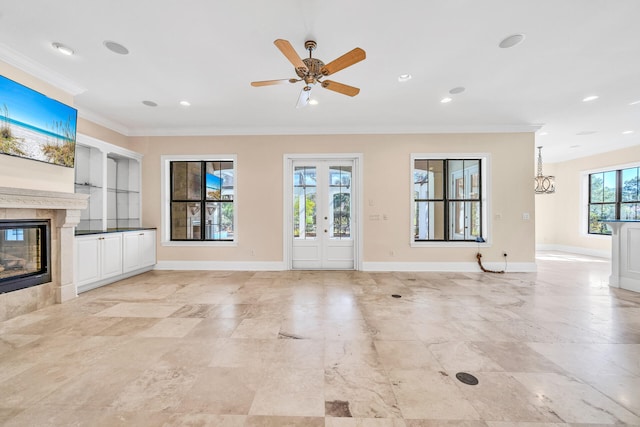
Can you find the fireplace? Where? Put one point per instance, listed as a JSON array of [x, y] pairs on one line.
[[25, 254], [54, 216]]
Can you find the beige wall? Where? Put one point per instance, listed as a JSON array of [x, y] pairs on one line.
[[387, 184], [560, 216]]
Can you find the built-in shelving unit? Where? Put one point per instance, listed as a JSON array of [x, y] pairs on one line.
[[111, 176]]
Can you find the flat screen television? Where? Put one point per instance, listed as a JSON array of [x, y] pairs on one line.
[[36, 127]]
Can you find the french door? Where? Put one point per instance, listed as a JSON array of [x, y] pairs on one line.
[[323, 203]]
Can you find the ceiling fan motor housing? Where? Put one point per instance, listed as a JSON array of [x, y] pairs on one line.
[[313, 69]]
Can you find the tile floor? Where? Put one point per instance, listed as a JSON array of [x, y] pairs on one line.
[[334, 349]]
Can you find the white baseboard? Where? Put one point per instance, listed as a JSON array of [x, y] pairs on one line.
[[221, 265], [462, 267], [574, 250], [466, 267]]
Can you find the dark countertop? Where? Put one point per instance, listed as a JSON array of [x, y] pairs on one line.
[[111, 230]]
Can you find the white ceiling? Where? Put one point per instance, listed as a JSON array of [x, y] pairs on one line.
[[208, 51]]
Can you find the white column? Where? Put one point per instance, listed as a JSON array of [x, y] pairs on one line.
[[64, 271]]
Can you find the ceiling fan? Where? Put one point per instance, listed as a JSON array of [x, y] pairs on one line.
[[312, 70]]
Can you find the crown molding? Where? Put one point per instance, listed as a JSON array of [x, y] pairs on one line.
[[39, 71], [103, 121], [370, 130]]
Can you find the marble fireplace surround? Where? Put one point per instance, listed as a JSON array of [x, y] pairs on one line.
[[63, 209]]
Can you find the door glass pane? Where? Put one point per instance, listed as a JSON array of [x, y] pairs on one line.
[[340, 202], [185, 220], [186, 180], [304, 202]]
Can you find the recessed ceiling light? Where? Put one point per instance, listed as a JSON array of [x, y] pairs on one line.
[[627, 132], [116, 47], [590, 98], [457, 90], [511, 41], [543, 133], [446, 100], [586, 132], [185, 103], [635, 102], [313, 101], [404, 78], [575, 146], [65, 50], [150, 103]]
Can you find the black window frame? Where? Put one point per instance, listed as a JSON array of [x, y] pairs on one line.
[[447, 199], [203, 200], [617, 204]]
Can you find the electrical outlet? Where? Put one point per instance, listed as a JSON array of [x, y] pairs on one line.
[[504, 254]]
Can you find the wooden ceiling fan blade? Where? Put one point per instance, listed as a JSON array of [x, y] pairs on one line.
[[291, 54], [269, 82], [346, 60], [340, 88]]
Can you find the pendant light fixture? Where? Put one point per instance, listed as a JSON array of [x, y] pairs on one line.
[[544, 184]]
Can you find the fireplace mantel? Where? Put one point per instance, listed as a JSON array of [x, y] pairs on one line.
[[64, 211], [19, 198]]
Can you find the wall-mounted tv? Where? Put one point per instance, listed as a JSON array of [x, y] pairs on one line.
[[35, 126]]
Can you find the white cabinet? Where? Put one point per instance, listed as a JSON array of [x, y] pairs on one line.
[[139, 249], [98, 257], [104, 258]]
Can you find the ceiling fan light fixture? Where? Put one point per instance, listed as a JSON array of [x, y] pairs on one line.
[[313, 101]]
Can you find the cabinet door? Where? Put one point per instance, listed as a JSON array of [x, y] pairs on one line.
[[87, 260], [111, 256], [148, 248], [131, 246]]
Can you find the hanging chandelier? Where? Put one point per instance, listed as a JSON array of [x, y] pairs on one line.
[[544, 184]]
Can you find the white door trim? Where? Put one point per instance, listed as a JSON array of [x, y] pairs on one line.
[[288, 200]]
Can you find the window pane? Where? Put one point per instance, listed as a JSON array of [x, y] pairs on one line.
[[429, 221], [220, 180], [304, 202], [596, 190], [185, 220], [610, 187], [600, 212], [219, 221], [630, 183], [186, 180], [630, 211], [474, 210], [428, 179], [340, 199], [456, 179], [472, 171]]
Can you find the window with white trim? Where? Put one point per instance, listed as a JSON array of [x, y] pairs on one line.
[[613, 194], [448, 199]]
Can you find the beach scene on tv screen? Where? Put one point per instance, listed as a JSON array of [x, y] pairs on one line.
[[35, 126]]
